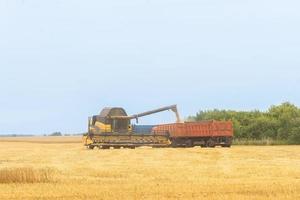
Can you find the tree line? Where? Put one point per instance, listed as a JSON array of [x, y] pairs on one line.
[[281, 122]]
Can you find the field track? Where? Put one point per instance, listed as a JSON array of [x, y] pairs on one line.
[[61, 168]]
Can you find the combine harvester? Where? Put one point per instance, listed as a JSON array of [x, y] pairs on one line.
[[112, 128]]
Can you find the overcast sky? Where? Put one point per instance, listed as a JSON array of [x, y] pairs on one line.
[[63, 60]]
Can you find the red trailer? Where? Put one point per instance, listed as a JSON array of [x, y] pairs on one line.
[[203, 133]]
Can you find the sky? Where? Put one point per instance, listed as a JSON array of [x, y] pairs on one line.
[[64, 60]]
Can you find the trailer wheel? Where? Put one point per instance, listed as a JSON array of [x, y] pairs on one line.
[[189, 143], [210, 143], [174, 143], [228, 142]]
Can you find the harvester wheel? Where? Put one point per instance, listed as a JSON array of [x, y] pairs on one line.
[[90, 147], [226, 145]]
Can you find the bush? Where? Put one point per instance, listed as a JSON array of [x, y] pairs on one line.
[[294, 137], [56, 134]]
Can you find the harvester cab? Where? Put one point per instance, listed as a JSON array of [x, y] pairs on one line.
[[104, 123]]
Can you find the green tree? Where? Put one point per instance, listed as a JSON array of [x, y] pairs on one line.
[[280, 122]]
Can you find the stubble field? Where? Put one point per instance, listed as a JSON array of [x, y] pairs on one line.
[[61, 168]]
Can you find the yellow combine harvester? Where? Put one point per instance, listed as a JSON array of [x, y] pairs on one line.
[[112, 128]]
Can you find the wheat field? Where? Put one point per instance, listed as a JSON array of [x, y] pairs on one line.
[[61, 168]]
